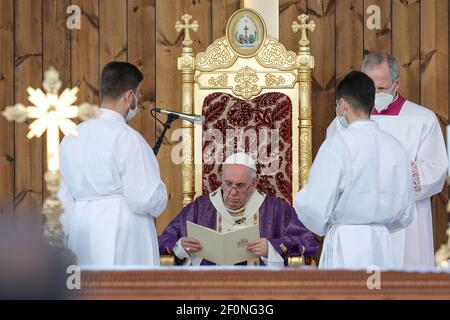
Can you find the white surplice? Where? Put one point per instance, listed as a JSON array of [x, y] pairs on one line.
[[111, 192], [418, 130], [358, 191]]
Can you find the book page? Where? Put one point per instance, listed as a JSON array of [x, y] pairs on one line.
[[235, 244], [226, 248], [210, 240]]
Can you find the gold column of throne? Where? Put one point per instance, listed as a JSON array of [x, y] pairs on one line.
[[247, 80]]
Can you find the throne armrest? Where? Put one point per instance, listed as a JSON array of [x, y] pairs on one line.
[[167, 260], [298, 261]]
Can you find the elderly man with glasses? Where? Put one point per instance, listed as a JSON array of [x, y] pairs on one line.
[[235, 204]]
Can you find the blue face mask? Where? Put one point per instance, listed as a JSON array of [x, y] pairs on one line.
[[132, 112]]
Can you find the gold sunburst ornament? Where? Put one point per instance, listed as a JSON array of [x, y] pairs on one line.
[[442, 256], [52, 112]]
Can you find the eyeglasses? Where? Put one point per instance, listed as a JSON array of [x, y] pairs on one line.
[[388, 91], [240, 187]]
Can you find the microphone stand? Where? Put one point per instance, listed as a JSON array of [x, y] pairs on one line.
[[167, 124]]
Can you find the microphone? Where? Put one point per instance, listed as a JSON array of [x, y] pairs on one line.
[[193, 118]]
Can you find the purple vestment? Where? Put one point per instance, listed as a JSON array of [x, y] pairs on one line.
[[278, 223]]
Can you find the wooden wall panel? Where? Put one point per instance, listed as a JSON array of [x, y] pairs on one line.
[[378, 39], [142, 53], [349, 37], [85, 57], [406, 46], [202, 12], [324, 77], [56, 38], [112, 31], [28, 72], [168, 48], [6, 99], [56, 41], [289, 11], [434, 86], [221, 12]]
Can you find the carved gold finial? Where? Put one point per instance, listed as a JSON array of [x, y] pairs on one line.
[[51, 83], [304, 42], [186, 26]]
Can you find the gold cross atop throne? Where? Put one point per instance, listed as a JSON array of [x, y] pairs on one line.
[[256, 97], [247, 80]]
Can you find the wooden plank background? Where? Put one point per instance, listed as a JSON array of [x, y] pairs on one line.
[[34, 36]]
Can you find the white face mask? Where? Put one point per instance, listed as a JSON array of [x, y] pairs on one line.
[[132, 112], [384, 99], [341, 119]]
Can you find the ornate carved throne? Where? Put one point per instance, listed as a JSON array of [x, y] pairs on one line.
[[256, 97]]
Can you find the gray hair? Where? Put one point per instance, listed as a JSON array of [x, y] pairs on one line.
[[376, 58]]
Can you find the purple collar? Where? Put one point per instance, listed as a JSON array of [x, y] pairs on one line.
[[393, 109]]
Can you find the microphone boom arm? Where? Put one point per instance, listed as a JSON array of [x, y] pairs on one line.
[[167, 124]]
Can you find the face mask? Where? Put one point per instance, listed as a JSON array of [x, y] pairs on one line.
[[384, 99], [132, 112], [341, 119]]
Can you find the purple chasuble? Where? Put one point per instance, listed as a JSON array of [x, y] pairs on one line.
[[278, 223]]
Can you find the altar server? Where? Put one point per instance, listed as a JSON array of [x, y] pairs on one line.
[[359, 188], [418, 130], [112, 191]]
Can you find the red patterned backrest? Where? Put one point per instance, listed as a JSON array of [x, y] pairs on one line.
[[261, 127]]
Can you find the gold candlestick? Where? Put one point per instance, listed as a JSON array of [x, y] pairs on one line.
[[52, 113]]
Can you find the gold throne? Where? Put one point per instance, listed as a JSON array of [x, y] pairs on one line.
[[247, 81]]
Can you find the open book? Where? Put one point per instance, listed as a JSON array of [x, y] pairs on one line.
[[226, 248]]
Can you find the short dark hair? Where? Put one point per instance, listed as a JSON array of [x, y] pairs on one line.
[[358, 89], [117, 78]]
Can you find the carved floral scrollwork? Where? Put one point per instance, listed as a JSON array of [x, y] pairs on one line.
[[187, 170], [272, 80], [305, 62], [246, 83], [305, 155], [219, 81], [305, 88], [274, 55], [218, 56]]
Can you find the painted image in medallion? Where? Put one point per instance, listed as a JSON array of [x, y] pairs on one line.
[[246, 34]]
